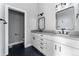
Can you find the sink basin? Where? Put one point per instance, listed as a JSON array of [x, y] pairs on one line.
[[59, 34], [74, 34]]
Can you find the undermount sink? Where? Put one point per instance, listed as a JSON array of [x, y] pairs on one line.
[[62, 35], [74, 34]]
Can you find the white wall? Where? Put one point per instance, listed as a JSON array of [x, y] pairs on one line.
[[2, 13], [49, 13], [2, 31]]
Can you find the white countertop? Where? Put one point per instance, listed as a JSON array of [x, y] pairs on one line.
[[59, 35], [64, 39]]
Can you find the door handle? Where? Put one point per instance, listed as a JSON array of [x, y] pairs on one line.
[[5, 22]]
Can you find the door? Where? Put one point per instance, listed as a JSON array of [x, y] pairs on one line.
[[69, 51], [56, 52], [57, 49], [36, 41], [7, 7], [16, 26]]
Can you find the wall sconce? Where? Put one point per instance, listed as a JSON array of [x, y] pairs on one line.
[[41, 14]]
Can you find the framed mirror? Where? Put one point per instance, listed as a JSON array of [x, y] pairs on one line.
[[41, 24], [65, 19]]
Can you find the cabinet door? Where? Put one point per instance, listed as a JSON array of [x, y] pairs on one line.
[[49, 48], [69, 51], [66, 51], [35, 40], [57, 49], [53, 48]]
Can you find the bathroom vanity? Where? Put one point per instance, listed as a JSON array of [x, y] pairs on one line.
[[51, 44], [60, 44]]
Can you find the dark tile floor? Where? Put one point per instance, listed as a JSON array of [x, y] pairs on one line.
[[19, 50]]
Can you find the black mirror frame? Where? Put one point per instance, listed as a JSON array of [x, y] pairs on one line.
[[42, 18]]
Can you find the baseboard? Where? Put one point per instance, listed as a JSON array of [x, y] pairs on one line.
[[28, 45], [15, 43]]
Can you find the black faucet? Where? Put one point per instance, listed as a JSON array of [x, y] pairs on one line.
[[63, 30]]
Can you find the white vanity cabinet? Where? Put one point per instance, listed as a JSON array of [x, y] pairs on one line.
[[44, 45], [54, 46], [64, 50]]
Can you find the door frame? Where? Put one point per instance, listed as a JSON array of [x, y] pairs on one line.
[[7, 7]]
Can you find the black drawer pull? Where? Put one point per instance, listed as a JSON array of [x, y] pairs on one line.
[[41, 35], [33, 38], [41, 47], [41, 39], [41, 43]]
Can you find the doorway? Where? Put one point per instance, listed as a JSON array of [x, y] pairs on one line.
[[16, 27]]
